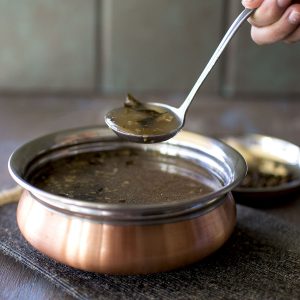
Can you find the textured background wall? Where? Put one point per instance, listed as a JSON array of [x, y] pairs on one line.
[[115, 46], [47, 45], [158, 44]]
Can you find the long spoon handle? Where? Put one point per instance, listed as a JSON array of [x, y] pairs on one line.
[[226, 39]]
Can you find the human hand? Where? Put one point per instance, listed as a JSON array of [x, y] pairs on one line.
[[274, 20]]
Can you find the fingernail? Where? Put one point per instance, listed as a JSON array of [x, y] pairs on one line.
[[283, 3], [249, 3], [294, 17]]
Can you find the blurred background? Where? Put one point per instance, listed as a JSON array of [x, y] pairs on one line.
[[110, 47]]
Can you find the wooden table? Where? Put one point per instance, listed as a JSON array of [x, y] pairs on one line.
[[22, 119]]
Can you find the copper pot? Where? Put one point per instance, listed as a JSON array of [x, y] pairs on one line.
[[127, 239]]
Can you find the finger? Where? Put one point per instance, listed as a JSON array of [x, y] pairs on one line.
[[269, 12], [280, 30], [252, 3], [294, 37]]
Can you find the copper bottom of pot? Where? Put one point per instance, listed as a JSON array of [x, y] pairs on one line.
[[124, 249]]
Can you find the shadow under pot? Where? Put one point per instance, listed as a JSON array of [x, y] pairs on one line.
[[101, 204]]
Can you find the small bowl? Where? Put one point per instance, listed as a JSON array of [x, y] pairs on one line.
[[127, 239], [279, 162]]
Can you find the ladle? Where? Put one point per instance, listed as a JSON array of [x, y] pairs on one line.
[[155, 122]]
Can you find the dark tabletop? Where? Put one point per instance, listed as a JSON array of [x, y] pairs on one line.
[[22, 119]]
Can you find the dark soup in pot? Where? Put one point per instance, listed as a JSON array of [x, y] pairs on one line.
[[127, 175]]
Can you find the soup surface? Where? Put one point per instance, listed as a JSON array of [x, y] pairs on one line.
[[128, 175], [137, 119]]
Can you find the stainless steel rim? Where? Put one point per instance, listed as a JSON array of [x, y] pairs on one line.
[[232, 162]]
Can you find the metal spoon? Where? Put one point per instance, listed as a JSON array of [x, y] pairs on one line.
[[156, 122]]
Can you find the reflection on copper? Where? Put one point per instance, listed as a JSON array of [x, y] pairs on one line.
[[124, 249]]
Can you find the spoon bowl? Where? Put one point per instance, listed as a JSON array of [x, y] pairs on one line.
[[147, 123]]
